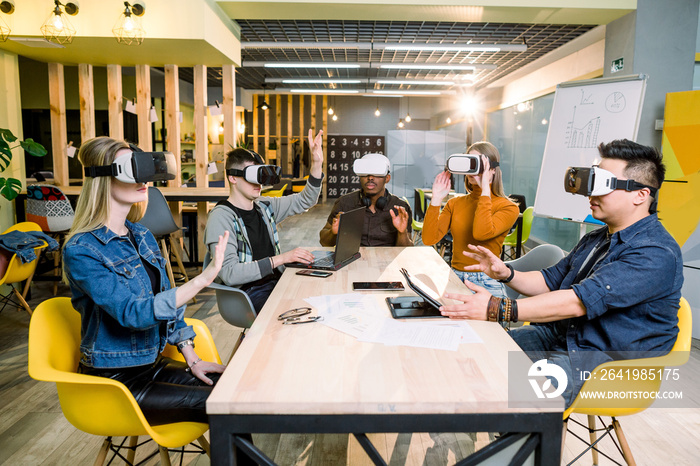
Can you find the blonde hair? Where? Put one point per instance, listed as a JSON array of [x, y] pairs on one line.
[[490, 151], [93, 207]]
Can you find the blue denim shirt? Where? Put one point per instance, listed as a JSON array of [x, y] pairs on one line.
[[631, 295], [123, 323], [23, 243]]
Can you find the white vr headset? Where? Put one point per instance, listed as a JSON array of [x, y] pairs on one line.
[[371, 164], [138, 167], [595, 181], [258, 174], [467, 164]]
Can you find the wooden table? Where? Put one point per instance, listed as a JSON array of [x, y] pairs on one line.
[[312, 379]]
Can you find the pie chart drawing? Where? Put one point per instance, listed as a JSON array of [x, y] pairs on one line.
[[615, 103]]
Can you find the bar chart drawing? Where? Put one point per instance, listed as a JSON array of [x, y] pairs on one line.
[[585, 136]]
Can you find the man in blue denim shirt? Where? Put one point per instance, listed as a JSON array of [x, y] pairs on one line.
[[617, 291]]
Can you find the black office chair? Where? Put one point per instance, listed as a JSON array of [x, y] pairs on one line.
[[520, 200]]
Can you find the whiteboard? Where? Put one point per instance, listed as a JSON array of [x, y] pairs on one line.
[[584, 114]]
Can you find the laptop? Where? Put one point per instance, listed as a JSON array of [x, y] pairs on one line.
[[347, 245]]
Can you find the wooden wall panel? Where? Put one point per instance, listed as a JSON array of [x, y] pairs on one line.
[[302, 169], [201, 147], [255, 123], [229, 95], [59, 134], [114, 96], [278, 128], [290, 134], [86, 89], [172, 117], [143, 107]]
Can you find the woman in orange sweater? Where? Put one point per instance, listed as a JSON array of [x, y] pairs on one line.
[[482, 217]]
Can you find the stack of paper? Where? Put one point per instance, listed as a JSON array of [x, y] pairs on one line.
[[361, 316]]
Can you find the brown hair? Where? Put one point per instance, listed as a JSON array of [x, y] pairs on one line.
[[490, 151]]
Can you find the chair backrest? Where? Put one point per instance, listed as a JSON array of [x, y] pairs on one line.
[[276, 192], [158, 217], [16, 271], [48, 207], [423, 205], [234, 304], [528, 216], [540, 257], [598, 383]]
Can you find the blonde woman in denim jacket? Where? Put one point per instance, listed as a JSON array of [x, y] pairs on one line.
[[129, 312]]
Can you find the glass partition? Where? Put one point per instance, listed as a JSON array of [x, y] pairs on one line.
[[520, 133]]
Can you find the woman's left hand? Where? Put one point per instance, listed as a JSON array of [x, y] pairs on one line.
[[209, 274], [202, 368]]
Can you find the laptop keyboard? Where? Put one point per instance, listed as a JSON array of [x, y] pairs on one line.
[[324, 262]]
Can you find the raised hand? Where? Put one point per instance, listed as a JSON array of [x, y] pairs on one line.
[[316, 148], [485, 180], [488, 263], [336, 223], [399, 219], [441, 188], [209, 274]]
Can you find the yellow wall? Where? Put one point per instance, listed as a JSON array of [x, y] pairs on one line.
[[10, 118]]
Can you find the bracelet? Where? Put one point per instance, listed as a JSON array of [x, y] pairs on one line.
[[512, 274], [193, 364], [492, 309], [184, 343], [515, 311]]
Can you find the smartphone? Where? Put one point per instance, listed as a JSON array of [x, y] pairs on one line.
[[315, 273], [377, 286]]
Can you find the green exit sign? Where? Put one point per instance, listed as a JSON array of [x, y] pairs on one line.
[[617, 65]]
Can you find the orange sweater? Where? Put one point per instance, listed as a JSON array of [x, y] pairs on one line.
[[472, 219]]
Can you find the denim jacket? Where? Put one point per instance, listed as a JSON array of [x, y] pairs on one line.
[[123, 323], [23, 243]]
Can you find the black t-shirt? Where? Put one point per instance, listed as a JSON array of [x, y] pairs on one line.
[[260, 241], [151, 270]]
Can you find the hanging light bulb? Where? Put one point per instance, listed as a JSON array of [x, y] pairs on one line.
[[335, 117], [408, 118], [408, 111], [57, 28], [264, 105], [7, 8], [330, 110], [128, 30], [448, 121], [401, 124], [377, 112]]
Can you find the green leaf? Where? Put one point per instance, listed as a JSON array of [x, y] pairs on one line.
[[10, 188], [5, 155], [34, 148], [7, 135]]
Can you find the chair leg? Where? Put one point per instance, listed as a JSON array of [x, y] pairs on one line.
[[174, 247], [593, 437], [164, 456], [168, 267], [235, 346], [133, 441], [626, 452], [56, 270], [205, 445], [102, 455], [22, 300], [563, 437]]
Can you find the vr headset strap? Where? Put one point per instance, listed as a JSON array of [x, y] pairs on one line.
[[102, 170], [631, 185], [235, 172]]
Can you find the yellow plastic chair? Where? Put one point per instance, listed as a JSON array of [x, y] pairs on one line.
[[18, 272], [597, 383], [299, 187], [99, 405], [511, 240], [276, 192]]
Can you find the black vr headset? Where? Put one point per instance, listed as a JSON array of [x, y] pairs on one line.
[[595, 181], [467, 164], [138, 167]]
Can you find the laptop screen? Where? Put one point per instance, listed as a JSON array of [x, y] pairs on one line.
[[349, 234]]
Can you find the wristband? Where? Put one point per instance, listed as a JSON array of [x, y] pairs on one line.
[[190, 366], [184, 343], [512, 274]]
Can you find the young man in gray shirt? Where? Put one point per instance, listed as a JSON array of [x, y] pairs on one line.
[[254, 261]]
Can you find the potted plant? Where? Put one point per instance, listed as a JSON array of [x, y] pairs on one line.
[[11, 187]]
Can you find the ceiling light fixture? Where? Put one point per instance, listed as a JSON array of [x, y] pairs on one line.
[[7, 7], [264, 105], [485, 48], [305, 64], [401, 124], [128, 29], [377, 112], [330, 108], [57, 28], [408, 82], [324, 91], [313, 81], [408, 110], [413, 92], [335, 118], [434, 66], [448, 120]]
